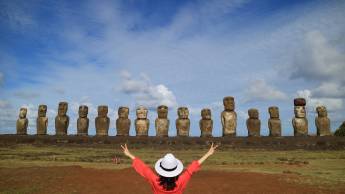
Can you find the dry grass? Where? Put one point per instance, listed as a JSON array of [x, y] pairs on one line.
[[321, 167]]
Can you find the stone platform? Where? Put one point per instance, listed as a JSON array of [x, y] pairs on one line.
[[275, 143]]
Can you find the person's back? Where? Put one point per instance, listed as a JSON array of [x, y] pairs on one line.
[[169, 178]]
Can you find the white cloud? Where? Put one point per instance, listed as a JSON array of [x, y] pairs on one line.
[[217, 105], [242, 114], [260, 90], [194, 111], [214, 8], [60, 91], [146, 93], [323, 63], [197, 50], [26, 94], [130, 85], [195, 16], [320, 60], [16, 14], [7, 117], [4, 104], [332, 104], [330, 89]]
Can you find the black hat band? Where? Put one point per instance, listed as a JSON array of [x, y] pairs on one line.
[[166, 169]]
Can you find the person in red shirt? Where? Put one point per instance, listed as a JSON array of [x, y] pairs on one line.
[[169, 177]]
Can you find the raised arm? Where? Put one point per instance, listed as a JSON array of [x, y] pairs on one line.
[[127, 152], [194, 167], [139, 165], [208, 154]]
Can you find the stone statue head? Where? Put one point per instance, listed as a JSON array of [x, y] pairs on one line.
[[142, 112], [183, 112], [63, 107], [42, 110], [83, 111], [102, 111], [253, 113], [206, 114], [162, 112], [299, 111], [22, 113], [229, 103], [273, 111], [321, 111], [123, 112]]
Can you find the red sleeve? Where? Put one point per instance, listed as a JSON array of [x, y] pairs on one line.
[[187, 174], [143, 169]]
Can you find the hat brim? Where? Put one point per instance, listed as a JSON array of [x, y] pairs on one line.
[[165, 173]]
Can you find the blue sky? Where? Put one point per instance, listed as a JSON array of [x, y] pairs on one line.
[[177, 53]]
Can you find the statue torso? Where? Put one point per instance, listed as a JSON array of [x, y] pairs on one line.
[[206, 127], [41, 125], [123, 126], [83, 125], [102, 125], [229, 119], [162, 127], [22, 125], [253, 126], [323, 126], [142, 127], [274, 127], [61, 124], [182, 126], [300, 126]]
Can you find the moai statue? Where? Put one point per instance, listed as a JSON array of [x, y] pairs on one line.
[[142, 124], [83, 121], [62, 120], [102, 121], [274, 123], [322, 122], [182, 122], [123, 123], [300, 122], [253, 123], [206, 123], [229, 117], [162, 122], [22, 122], [42, 120]]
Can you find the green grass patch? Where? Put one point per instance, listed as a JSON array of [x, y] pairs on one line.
[[320, 167]]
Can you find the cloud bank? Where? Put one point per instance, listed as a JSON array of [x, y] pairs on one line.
[[260, 90], [262, 53], [146, 93]]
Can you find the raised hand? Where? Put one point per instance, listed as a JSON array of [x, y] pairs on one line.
[[208, 153], [127, 152], [212, 149]]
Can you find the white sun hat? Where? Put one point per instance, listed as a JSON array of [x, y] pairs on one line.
[[169, 166]]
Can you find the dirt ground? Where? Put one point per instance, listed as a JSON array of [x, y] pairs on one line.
[[75, 179]]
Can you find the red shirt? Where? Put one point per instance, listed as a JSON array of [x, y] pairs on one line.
[[153, 179]]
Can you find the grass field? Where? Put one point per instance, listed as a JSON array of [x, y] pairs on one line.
[[317, 167]]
